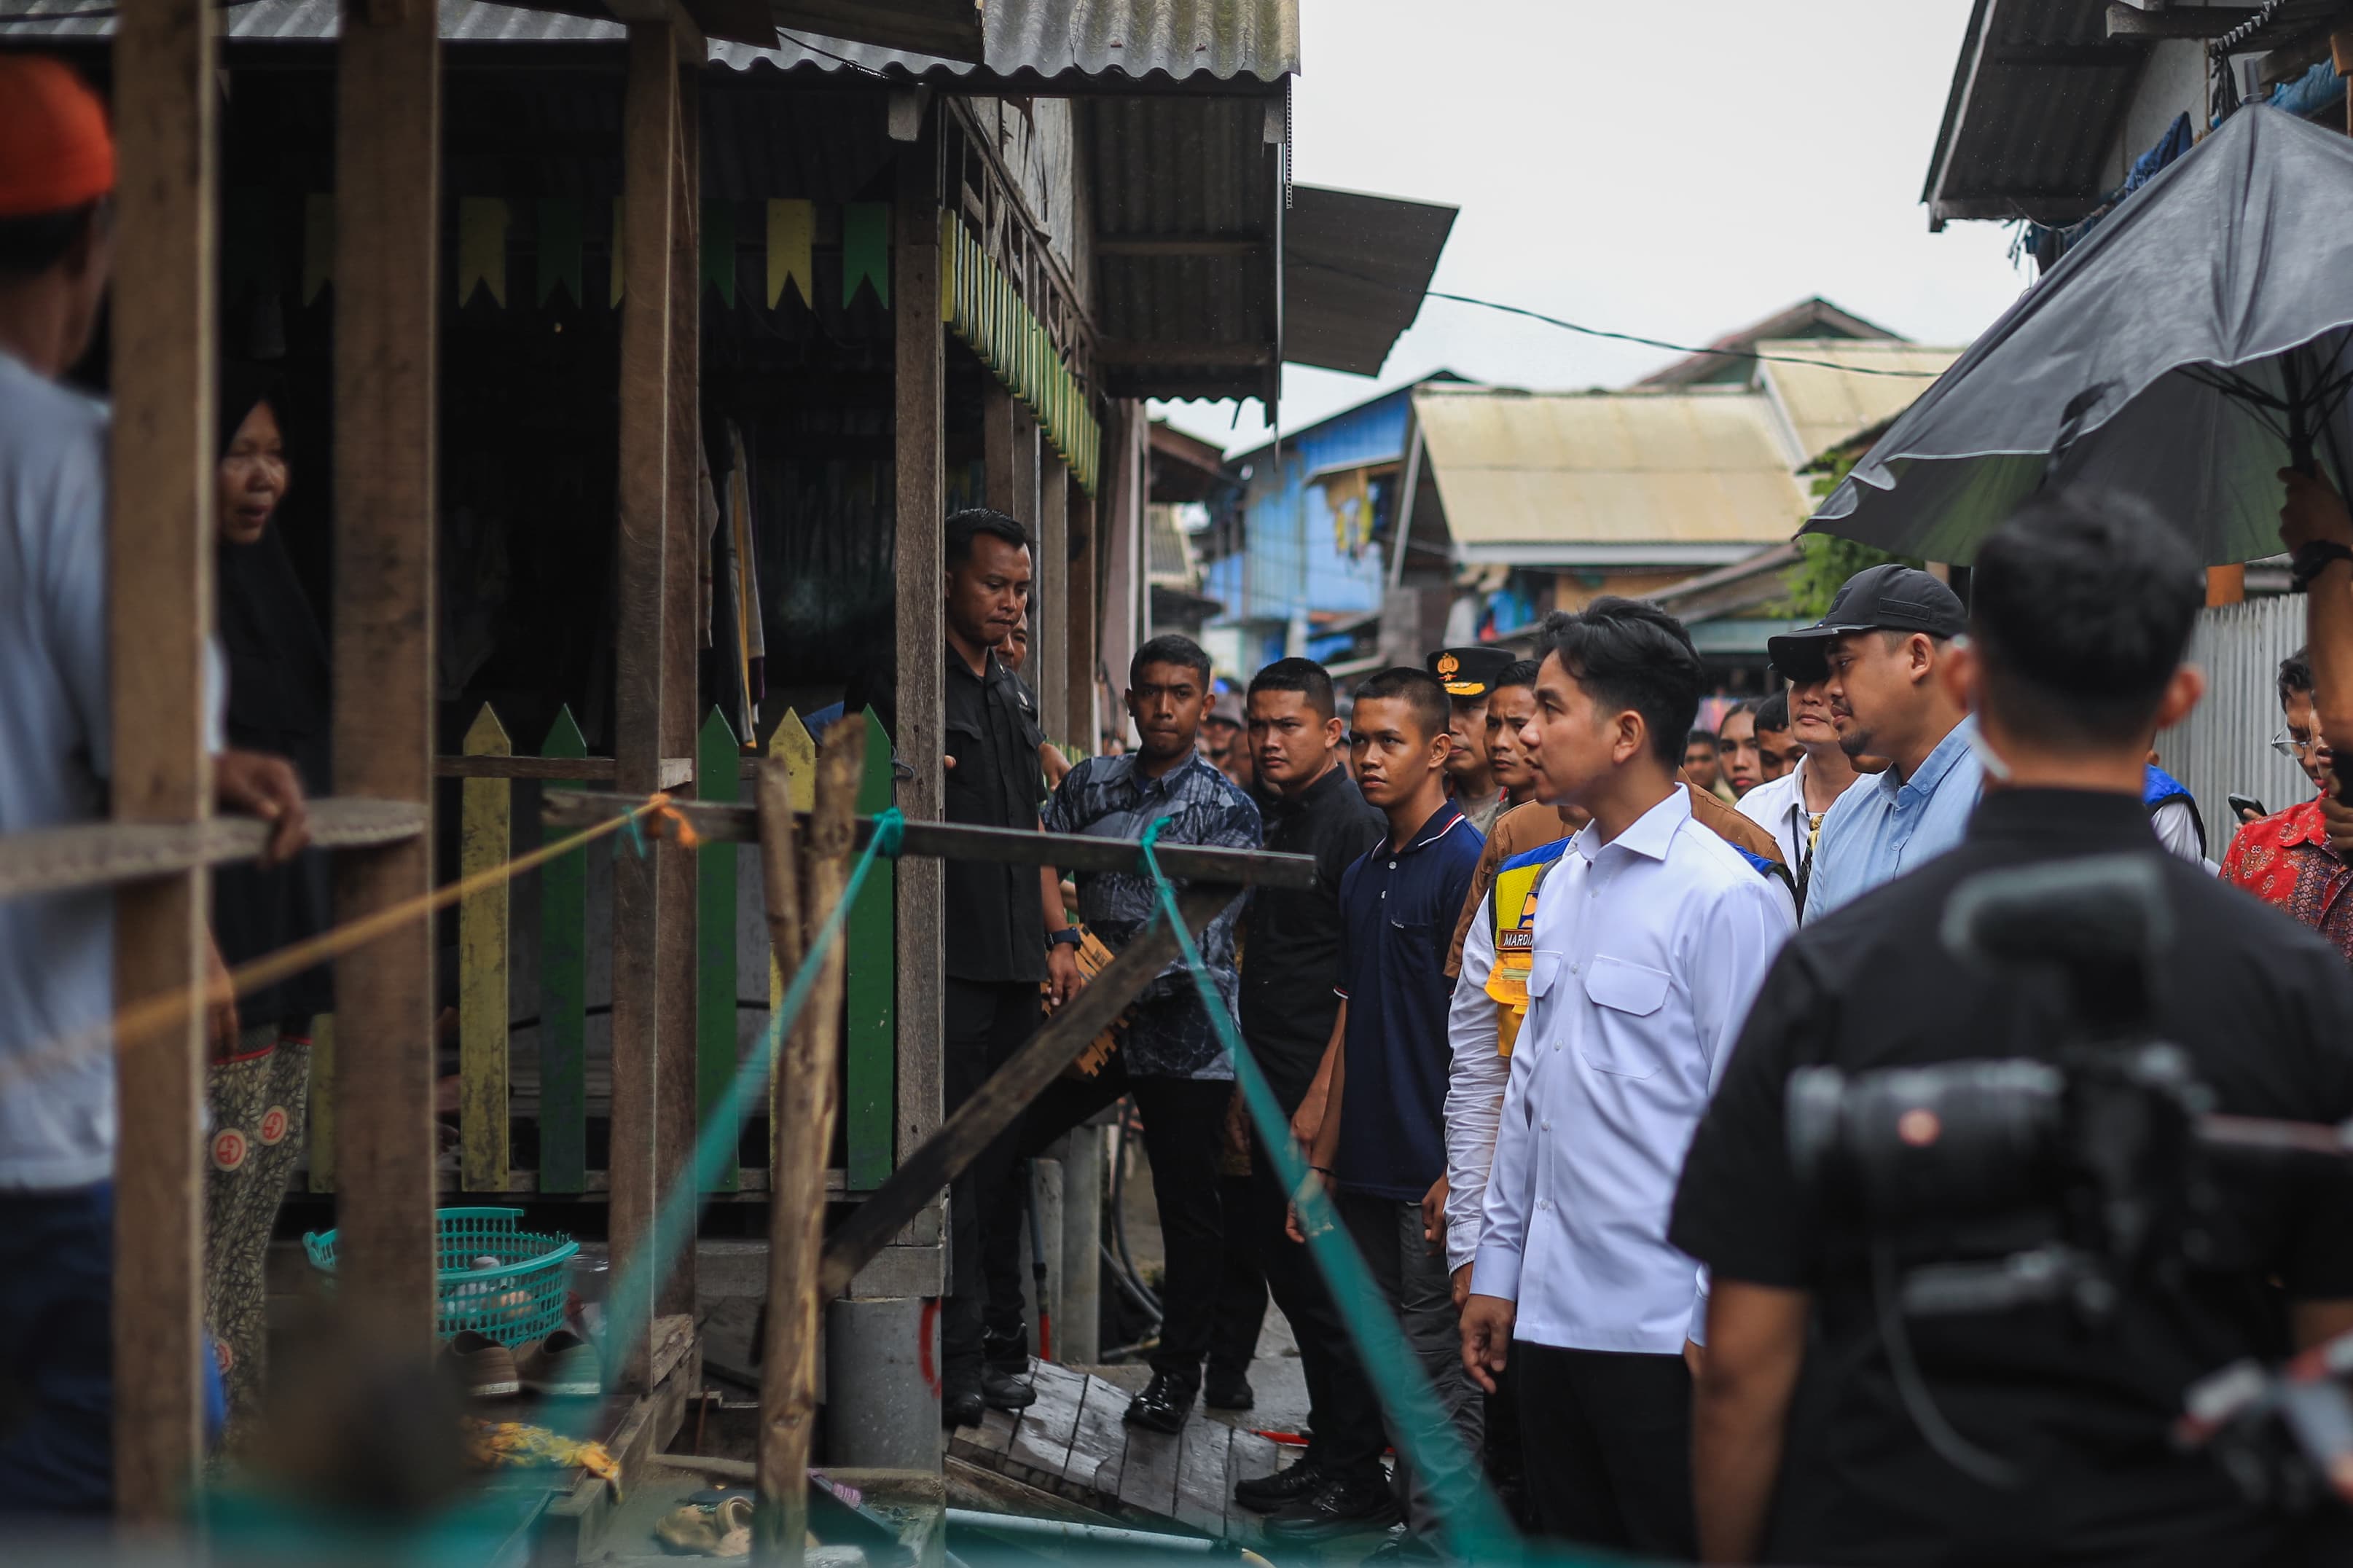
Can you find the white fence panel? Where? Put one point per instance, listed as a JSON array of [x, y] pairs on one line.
[[2223, 746]]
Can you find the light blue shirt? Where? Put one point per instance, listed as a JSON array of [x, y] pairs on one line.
[[1647, 952], [1883, 826]]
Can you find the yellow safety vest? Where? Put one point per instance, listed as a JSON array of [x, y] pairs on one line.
[[1513, 901]]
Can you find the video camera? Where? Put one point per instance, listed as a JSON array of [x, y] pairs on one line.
[[2099, 1140]]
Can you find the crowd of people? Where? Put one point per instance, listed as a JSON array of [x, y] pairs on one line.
[[1534, 1025]]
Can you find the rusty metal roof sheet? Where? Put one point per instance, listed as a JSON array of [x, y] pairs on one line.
[[1534, 477], [1837, 395]]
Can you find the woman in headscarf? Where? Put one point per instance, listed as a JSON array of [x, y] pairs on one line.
[[258, 1083]]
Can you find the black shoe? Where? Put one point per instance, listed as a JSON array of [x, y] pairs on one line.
[[1267, 1493], [1228, 1392], [1003, 1390], [1165, 1405], [960, 1407], [1336, 1509]]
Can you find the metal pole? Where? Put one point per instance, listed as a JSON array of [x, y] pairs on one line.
[[881, 1388]]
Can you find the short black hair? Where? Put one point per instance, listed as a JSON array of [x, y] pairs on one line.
[[1519, 672], [32, 244], [1170, 649], [1417, 689], [1700, 738], [1627, 654], [1773, 713], [2295, 675], [1305, 677], [1734, 711], [964, 527], [2083, 604]]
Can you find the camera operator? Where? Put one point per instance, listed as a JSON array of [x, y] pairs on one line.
[[1813, 1439]]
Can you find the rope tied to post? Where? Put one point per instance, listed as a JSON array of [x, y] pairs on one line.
[[890, 834]]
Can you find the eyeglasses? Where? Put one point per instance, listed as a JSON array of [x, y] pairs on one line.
[[2287, 745]]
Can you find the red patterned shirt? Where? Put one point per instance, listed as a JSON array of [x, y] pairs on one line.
[[2284, 860]]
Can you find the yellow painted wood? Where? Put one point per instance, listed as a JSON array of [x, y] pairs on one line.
[[792, 742], [485, 838], [323, 1103]]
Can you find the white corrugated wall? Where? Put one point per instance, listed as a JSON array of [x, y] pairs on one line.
[[2223, 745]]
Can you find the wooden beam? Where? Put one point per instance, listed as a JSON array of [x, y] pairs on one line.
[[649, 154], [1049, 614], [919, 431], [977, 1121], [677, 1067], [718, 822], [2204, 22], [109, 853], [808, 1099], [159, 564], [387, 264], [1079, 644]]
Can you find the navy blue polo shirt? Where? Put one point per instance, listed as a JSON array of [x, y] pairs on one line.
[[1398, 907]]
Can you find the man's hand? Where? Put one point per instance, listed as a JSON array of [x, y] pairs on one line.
[[1462, 1286], [1308, 1120], [2314, 511], [1063, 980], [1433, 1212], [1237, 1125], [1294, 1226], [1487, 1337], [220, 1003], [269, 788]]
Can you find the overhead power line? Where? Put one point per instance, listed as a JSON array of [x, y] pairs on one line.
[[1679, 348]]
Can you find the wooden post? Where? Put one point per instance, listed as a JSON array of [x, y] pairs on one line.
[[676, 1066], [159, 564], [386, 278], [486, 840], [650, 176], [563, 994], [919, 433], [1050, 601], [805, 1094], [718, 770], [2226, 584], [1080, 658]]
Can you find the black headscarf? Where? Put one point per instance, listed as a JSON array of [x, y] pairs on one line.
[[278, 703]]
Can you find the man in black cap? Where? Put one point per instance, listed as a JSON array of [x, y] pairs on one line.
[[1878, 652], [1469, 675]]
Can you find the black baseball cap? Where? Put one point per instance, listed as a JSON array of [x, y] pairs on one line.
[[1889, 598]]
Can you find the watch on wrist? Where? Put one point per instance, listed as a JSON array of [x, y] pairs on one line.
[[1067, 936], [2311, 560]]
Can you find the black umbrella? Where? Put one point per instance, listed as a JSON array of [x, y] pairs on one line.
[[2196, 343]]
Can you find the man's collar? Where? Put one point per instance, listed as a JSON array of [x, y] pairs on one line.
[[2304, 825], [1329, 780], [1439, 824], [1648, 834], [2084, 818], [1941, 762]]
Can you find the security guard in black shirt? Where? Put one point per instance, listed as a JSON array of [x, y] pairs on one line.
[[1006, 933], [1832, 1427]]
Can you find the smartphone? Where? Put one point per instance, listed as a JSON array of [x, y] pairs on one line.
[[2243, 803]]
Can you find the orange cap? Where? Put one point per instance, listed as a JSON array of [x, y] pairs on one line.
[[55, 153]]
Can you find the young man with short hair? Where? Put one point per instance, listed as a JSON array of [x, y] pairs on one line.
[[1511, 704], [1381, 1143], [1701, 766], [1791, 807], [1644, 949], [1776, 752], [1876, 653], [1224, 743], [1809, 1443], [1290, 1004], [1469, 676], [1736, 749], [1169, 1057]]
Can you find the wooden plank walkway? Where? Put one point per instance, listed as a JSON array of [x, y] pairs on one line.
[[1072, 1442]]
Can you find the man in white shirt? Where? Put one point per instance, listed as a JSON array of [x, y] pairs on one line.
[[1791, 807], [1650, 934]]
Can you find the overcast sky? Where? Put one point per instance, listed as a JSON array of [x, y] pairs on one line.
[[1672, 171]]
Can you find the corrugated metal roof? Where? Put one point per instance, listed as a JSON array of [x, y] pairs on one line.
[[1355, 268], [1827, 407], [1516, 469], [1724, 359], [1033, 45]]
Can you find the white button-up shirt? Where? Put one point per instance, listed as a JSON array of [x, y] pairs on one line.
[[1647, 952]]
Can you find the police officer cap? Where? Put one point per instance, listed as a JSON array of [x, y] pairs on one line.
[[1470, 672]]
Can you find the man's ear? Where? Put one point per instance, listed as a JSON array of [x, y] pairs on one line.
[[1335, 734], [1961, 673], [1631, 738], [2182, 694]]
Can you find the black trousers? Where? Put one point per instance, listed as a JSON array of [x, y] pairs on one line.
[[1184, 1131], [986, 1024], [1241, 1289], [1606, 1437]]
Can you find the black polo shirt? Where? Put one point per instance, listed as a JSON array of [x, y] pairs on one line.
[[996, 926], [1291, 954], [2265, 1010]]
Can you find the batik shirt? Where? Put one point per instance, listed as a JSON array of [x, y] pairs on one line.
[[1169, 1033], [2284, 860]]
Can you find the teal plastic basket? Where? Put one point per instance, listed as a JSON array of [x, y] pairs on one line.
[[517, 1301]]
